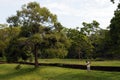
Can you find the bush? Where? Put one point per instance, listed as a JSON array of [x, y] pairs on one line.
[[18, 67]]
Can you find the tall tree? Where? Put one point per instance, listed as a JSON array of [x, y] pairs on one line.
[[115, 32], [90, 28], [37, 24], [92, 31], [80, 46], [6, 34]]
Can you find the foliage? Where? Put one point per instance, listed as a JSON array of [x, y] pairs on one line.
[[114, 34], [84, 40], [40, 32], [90, 28], [5, 35], [80, 46], [2, 26], [55, 45], [99, 38]]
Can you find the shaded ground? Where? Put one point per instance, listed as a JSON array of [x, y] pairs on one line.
[[82, 62], [27, 72], [74, 66]]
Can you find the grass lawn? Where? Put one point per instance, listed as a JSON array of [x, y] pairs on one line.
[[82, 62], [27, 72]]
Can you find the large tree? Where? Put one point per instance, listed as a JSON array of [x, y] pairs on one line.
[[115, 33], [94, 34], [39, 28]]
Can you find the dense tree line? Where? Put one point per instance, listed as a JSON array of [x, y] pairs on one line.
[[34, 32]]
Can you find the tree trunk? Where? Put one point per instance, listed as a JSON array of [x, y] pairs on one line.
[[36, 56], [79, 52]]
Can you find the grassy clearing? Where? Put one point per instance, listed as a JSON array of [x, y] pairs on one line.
[[82, 62], [27, 72]]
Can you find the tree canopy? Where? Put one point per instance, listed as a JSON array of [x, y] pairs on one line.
[[115, 32], [40, 32]]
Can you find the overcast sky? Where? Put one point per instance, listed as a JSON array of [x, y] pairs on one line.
[[71, 13]]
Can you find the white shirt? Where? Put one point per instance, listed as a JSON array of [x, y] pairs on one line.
[[88, 64]]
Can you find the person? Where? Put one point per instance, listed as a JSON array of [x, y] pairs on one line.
[[88, 65]]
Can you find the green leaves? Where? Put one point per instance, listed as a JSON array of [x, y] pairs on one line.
[[32, 14], [115, 32], [13, 20], [40, 33], [80, 44], [90, 28], [113, 1], [36, 39]]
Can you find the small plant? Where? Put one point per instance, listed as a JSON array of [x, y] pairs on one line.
[[18, 67]]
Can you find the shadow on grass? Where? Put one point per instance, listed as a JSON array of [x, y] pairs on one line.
[[79, 76], [16, 73]]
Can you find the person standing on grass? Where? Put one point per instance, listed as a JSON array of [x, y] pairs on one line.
[[88, 65]]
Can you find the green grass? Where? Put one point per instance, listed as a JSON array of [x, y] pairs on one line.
[[82, 62], [27, 72]]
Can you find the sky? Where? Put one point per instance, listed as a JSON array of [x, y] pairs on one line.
[[71, 13]]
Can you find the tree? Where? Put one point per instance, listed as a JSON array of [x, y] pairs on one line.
[[38, 25], [115, 32], [94, 34], [3, 26], [6, 34], [101, 42], [90, 28], [55, 45], [112, 1], [80, 46]]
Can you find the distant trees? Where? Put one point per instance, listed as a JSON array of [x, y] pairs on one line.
[[90, 41], [3, 26], [4, 41], [6, 34], [91, 30], [80, 45]]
